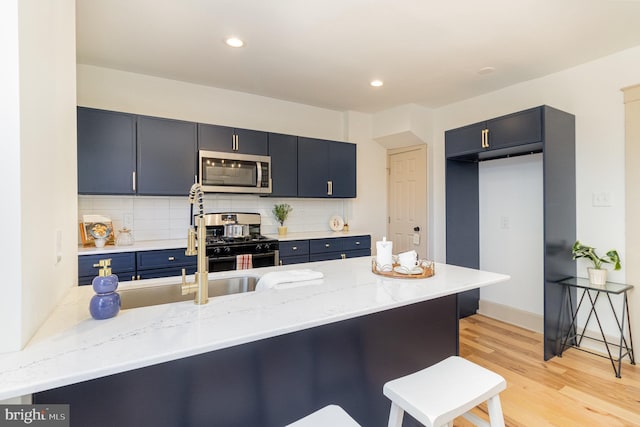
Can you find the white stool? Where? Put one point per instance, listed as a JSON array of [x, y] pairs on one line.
[[329, 416], [436, 395]]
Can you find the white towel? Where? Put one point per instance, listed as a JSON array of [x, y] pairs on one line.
[[288, 279]]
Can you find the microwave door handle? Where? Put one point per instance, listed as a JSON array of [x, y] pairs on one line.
[[259, 179]]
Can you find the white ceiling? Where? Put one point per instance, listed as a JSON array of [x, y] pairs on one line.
[[324, 53]]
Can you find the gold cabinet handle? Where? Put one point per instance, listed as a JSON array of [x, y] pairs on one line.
[[343, 256], [171, 258], [485, 138], [326, 245], [295, 248]]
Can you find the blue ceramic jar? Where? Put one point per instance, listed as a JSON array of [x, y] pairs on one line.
[[106, 303]]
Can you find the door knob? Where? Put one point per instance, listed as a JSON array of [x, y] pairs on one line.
[[416, 229]]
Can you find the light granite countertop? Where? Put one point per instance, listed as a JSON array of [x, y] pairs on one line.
[[152, 245], [72, 347]]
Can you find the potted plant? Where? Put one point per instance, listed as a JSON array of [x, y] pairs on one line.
[[597, 274], [281, 212]]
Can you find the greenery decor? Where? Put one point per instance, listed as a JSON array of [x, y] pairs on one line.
[[582, 251], [281, 212]]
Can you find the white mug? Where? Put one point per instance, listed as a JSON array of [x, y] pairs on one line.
[[408, 259]]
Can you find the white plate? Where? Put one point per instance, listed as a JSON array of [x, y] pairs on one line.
[[404, 270], [336, 223]]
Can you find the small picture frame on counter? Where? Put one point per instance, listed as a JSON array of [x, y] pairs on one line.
[[89, 229]]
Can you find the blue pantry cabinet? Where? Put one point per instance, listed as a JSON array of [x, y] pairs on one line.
[[229, 140], [326, 169], [543, 130]]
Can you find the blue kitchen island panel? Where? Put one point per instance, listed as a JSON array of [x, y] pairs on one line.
[[274, 381]]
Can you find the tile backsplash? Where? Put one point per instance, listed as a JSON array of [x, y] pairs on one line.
[[159, 218]]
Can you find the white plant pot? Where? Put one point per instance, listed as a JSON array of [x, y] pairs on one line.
[[597, 276]]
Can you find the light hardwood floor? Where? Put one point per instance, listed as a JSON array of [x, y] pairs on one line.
[[578, 389]]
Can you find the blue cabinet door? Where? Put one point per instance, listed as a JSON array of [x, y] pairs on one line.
[[229, 140], [106, 152], [464, 140], [166, 156], [123, 264], [252, 142], [313, 167], [342, 169], [326, 168], [283, 150], [215, 138], [523, 127]]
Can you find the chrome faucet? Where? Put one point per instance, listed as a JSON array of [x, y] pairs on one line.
[[200, 285]]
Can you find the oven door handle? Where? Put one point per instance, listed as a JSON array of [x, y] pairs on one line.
[[234, 257]]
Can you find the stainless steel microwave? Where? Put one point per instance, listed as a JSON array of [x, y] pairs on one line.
[[234, 172]]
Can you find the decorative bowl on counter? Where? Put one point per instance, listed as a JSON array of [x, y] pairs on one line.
[[424, 269]]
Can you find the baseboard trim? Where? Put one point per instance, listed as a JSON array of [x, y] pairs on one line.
[[515, 316]]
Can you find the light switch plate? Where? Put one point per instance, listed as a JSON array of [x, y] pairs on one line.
[[416, 239]]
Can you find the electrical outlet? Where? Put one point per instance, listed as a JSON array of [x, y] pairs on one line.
[[504, 223], [601, 199]]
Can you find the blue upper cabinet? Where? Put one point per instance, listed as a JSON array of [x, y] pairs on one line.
[[503, 136], [106, 152], [230, 140], [326, 168], [342, 169], [283, 150], [166, 156]]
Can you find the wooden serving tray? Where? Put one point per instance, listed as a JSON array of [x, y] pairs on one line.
[[426, 271]]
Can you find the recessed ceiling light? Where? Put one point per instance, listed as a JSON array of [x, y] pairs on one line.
[[376, 83], [486, 70], [234, 42]]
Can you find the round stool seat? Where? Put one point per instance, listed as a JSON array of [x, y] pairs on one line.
[[436, 395], [329, 416]]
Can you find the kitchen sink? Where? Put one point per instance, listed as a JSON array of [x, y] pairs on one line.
[[164, 294]]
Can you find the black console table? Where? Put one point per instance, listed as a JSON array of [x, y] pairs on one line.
[[592, 294]]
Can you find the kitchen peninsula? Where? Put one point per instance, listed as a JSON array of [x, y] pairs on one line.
[[258, 358]]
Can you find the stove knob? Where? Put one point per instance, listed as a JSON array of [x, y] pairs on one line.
[[227, 250], [267, 246], [216, 251], [258, 247]]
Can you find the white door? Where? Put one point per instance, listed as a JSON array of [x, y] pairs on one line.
[[407, 222]]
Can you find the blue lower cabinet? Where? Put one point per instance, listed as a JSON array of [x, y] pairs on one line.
[[138, 265], [300, 259], [165, 272], [123, 264], [294, 252], [339, 248]]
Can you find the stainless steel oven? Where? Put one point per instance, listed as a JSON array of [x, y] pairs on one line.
[[225, 242], [234, 172]]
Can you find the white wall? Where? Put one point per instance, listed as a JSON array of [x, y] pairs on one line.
[[369, 210], [142, 94], [511, 230], [592, 93], [10, 244], [39, 104]]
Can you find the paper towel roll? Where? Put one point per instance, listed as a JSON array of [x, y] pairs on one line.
[[384, 254]]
